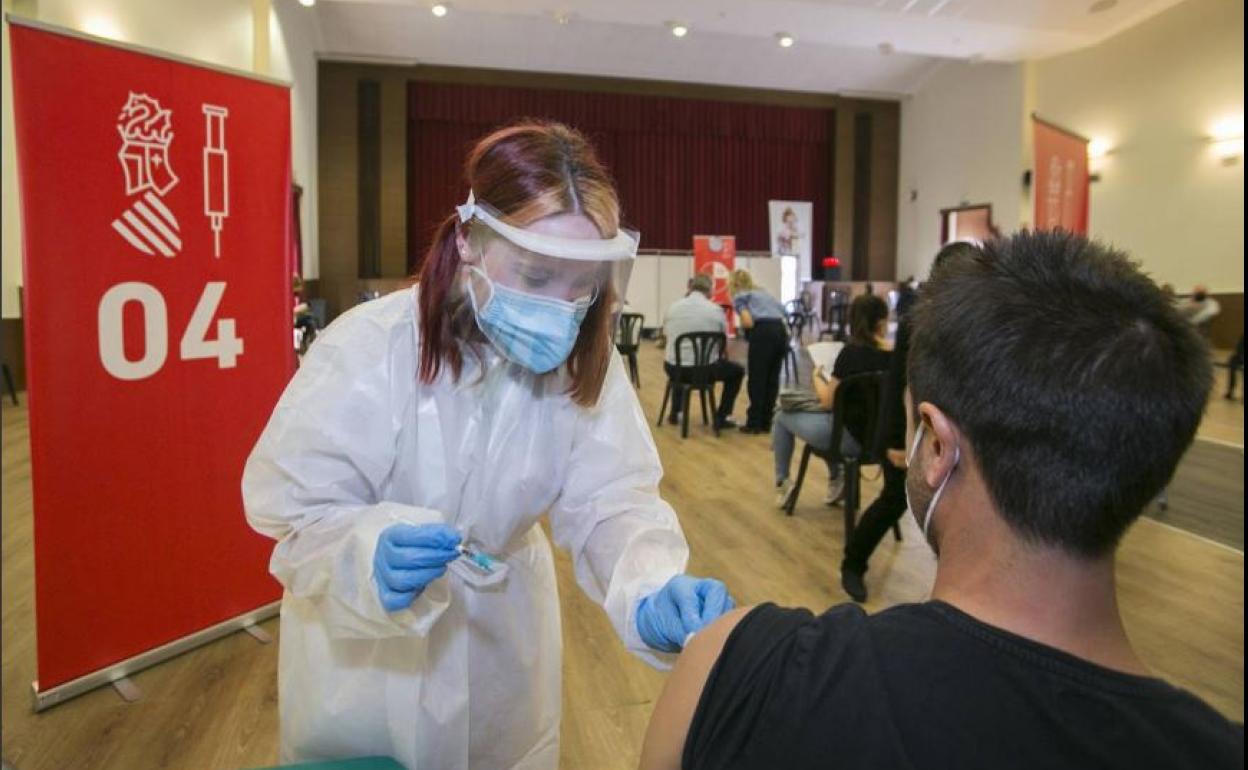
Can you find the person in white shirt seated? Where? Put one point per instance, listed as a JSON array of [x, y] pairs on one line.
[[1200, 309], [697, 313]]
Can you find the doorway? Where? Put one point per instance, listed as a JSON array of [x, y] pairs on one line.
[[967, 223]]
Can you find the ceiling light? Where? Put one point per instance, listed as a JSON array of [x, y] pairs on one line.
[[439, 9], [1100, 6], [679, 29], [1098, 148], [307, 3], [784, 39]]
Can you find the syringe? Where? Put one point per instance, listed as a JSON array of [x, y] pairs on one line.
[[216, 173]]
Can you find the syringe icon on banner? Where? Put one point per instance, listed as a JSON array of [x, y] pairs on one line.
[[216, 173]]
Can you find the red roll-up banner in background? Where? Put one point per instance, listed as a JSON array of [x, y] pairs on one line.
[[155, 204], [716, 255], [1060, 183]]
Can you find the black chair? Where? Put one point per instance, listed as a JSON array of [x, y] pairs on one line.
[[836, 315], [627, 340], [808, 310], [708, 349], [865, 389], [797, 322]]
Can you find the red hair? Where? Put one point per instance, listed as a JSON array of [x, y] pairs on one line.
[[527, 171]]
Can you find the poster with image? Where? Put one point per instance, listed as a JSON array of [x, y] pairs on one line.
[[791, 225]]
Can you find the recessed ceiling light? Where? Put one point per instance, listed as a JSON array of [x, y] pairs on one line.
[[1102, 5], [784, 39], [307, 3], [679, 29], [886, 48], [439, 9]]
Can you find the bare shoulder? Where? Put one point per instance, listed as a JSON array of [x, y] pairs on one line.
[[673, 712]]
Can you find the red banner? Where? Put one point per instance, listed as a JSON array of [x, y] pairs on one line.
[[1060, 184], [716, 255], [155, 204]]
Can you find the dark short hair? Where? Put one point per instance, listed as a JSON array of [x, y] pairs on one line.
[[954, 250], [1076, 382], [865, 313]]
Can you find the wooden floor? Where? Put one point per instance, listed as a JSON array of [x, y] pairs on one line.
[[1206, 495], [1183, 597]]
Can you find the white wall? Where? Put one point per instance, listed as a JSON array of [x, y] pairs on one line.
[[10, 224], [219, 32], [294, 36], [961, 142], [1154, 93]]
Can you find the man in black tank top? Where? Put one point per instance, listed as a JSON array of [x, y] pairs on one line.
[[1053, 390]]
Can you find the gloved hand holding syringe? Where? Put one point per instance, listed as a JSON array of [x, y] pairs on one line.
[[410, 557]]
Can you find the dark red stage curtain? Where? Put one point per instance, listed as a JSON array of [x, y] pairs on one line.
[[683, 166]]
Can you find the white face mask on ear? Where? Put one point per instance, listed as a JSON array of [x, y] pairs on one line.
[[940, 490]]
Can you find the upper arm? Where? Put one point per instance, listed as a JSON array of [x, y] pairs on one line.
[[826, 391], [673, 712]]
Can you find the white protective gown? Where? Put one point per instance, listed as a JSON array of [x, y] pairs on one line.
[[466, 677]]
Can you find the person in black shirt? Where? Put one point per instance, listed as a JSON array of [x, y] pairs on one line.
[[1054, 390], [865, 352], [890, 506]]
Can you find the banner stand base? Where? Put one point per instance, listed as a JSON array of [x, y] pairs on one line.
[[118, 673], [127, 689], [258, 633]]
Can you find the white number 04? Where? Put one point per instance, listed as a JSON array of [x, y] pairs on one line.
[[226, 348]]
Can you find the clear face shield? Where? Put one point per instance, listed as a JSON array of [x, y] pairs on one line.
[[531, 287]]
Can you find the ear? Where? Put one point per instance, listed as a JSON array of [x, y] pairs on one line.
[[946, 438], [466, 254]]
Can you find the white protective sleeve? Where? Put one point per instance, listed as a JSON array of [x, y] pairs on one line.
[[625, 541], [313, 480]]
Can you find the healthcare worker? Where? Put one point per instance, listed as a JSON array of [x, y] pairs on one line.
[[453, 415]]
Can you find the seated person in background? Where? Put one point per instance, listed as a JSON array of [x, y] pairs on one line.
[[1037, 445], [1200, 308], [696, 313], [864, 352], [888, 508]]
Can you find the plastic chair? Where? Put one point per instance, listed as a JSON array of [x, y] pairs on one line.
[[797, 323], [837, 315], [708, 349], [866, 389], [628, 340], [807, 305]]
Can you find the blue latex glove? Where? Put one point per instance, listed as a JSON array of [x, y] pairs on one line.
[[684, 606], [408, 558]]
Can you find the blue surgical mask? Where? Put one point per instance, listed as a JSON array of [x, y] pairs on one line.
[[535, 332]]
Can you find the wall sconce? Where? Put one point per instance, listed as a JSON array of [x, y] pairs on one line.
[[1098, 148], [1227, 140]]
